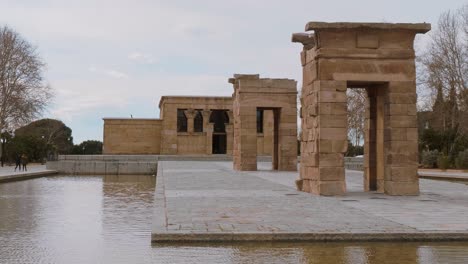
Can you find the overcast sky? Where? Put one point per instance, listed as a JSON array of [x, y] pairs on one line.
[[116, 58]]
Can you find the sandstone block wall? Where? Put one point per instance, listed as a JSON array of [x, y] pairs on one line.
[[174, 142], [280, 96], [132, 136]]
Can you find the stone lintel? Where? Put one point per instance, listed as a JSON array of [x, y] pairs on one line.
[[254, 81], [247, 76], [184, 98], [416, 27], [238, 76]]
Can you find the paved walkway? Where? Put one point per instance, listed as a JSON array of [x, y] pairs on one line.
[[8, 173], [208, 201]]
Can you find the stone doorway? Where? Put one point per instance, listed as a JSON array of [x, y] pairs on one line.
[[252, 94], [219, 143], [275, 149], [374, 133], [379, 57], [219, 119]]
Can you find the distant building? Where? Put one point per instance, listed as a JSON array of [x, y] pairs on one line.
[[187, 125]]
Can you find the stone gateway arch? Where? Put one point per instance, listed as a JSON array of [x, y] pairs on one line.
[[380, 58]]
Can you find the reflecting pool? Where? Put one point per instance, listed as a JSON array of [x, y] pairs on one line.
[[107, 219]]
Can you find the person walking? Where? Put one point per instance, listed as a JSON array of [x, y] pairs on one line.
[[24, 162], [18, 162]]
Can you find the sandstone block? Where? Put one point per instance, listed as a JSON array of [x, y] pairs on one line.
[[412, 134], [309, 73], [303, 58], [332, 173], [394, 134], [310, 159], [402, 121], [407, 173], [367, 40], [401, 188], [331, 160], [306, 185], [331, 188], [333, 121], [314, 187], [401, 98], [299, 185], [401, 147], [332, 97], [402, 87], [333, 133], [332, 86], [333, 108], [402, 159], [411, 110], [310, 173], [310, 147], [396, 109]]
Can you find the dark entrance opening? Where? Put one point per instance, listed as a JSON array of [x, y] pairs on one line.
[[260, 127], [219, 144], [219, 118]]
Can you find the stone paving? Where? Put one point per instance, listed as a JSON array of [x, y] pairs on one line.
[[8, 173], [208, 201]]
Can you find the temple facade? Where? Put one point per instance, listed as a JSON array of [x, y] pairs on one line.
[[188, 125]]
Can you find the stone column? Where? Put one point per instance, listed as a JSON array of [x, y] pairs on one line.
[[229, 138], [190, 114], [206, 119], [245, 155], [374, 139], [401, 139], [287, 139], [229, 133], [208, 130], [209, 138], [268, 132], [324, 133]]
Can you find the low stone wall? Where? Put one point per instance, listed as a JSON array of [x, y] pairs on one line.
[[105, 164], [353, 163], [144, 164], [124, 164]]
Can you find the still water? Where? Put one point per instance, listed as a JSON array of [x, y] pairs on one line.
[[107, 219]]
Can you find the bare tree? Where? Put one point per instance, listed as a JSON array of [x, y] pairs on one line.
[[23, 91], [356, 114], [445, 64]]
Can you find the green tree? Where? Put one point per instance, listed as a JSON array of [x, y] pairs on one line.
[[46, 138], [33, 147], [88, 147]]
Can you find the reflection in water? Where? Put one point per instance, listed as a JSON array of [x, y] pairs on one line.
[[94, 219]]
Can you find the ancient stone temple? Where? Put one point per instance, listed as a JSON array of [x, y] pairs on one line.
[[195, 125], [252, 95], [380, 58]]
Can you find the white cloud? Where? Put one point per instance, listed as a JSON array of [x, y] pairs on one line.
[[116, 74], [141, 57], [109, 72]]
